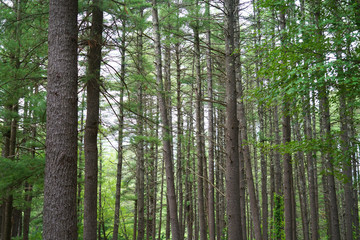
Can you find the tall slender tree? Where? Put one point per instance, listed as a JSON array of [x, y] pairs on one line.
[[166, 134], [232, 127]]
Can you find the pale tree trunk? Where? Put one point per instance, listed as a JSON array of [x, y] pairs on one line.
[[166, 134], [60, 215], [92, 123]]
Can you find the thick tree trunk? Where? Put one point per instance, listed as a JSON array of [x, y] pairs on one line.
[[60, 221], [167, 152], [231, 128], [92, 123]]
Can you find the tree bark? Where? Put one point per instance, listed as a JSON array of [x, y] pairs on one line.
[[167, 152], [60, 215], [231, 128], [92, 123]]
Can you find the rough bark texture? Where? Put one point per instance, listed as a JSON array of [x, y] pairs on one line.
[[167, 153], [232, 129], [92, 123], [60, 216]]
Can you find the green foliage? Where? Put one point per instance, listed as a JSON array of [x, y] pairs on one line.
[[278, 218], [14, 173]]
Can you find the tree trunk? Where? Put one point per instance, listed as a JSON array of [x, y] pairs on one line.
[[301, 182], [199, 136], [80, 183], [179, 139], [120, 136], [232, 128], [140, 171], [167, 152], [92, 123], [211, 203], [189, 181], [60, 215], [326, 136]]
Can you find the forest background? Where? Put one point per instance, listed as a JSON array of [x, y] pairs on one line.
[[196, 119]]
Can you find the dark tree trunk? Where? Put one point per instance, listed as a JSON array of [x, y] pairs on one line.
[[92, 123], [231, 128], [60, 215]]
